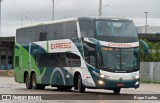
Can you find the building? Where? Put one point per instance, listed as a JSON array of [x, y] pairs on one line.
[[153, 33], [7, 52]]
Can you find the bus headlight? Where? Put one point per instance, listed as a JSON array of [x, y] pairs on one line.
[[137, 83], [100, 82], [102, 76]]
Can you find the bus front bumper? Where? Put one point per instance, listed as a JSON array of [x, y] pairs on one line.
[[110, 84]]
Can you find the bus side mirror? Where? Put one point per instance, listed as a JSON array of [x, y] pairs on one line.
[[145, 45]]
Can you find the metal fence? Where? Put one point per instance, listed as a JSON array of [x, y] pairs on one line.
[[150, 71]]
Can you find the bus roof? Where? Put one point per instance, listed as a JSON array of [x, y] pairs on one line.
[[106, 18], [48, 22], [73, 19]]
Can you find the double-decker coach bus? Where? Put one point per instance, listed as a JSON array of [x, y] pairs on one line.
[[80, 52]]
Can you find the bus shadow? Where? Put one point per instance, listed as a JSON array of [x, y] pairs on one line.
[[55, 94], [93, 95], [88, 92]]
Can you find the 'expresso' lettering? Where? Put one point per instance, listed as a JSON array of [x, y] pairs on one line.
[[119, 45], [61, 45]]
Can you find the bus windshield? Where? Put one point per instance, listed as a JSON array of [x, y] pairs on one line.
[[115, 28], [86, 28], [122, 31], [115, 59]]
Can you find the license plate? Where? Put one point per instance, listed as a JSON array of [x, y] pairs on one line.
[[120, 84]]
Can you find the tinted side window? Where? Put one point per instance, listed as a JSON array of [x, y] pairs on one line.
[[86, 28], [58, 60], [76, 61], [30, 35], [51, 60], [25, 35], [58, 34], [50, 31], [20, 35], [90, 54], [73, 60], [43, 36], [41, 33], [70, 30]]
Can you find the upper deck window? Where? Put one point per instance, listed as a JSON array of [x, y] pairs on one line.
[[86, 28], [115, 28]]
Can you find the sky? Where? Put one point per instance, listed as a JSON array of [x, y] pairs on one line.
[[15, 13]]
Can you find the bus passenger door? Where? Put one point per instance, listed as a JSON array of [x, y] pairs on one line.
[[70, 70], [73, 62]]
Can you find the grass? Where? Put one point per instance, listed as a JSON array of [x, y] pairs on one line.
[[153, 82]]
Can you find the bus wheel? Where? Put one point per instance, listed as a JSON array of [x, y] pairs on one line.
[[28, 82], [34, 83], [80, 86], [117, 90]]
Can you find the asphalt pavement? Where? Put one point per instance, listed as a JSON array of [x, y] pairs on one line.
[[147, 93]]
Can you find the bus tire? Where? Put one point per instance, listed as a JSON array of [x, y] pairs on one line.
[[34, 83], [28, 82], [117, 91], [80, 86]]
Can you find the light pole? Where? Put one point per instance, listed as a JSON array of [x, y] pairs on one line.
[[146, 22], [100, 7], [53, 11], [28, 19], [24, 15], [103, 8], [0, 17]]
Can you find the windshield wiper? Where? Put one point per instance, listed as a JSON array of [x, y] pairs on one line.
[[131, 67], [103, 68]]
